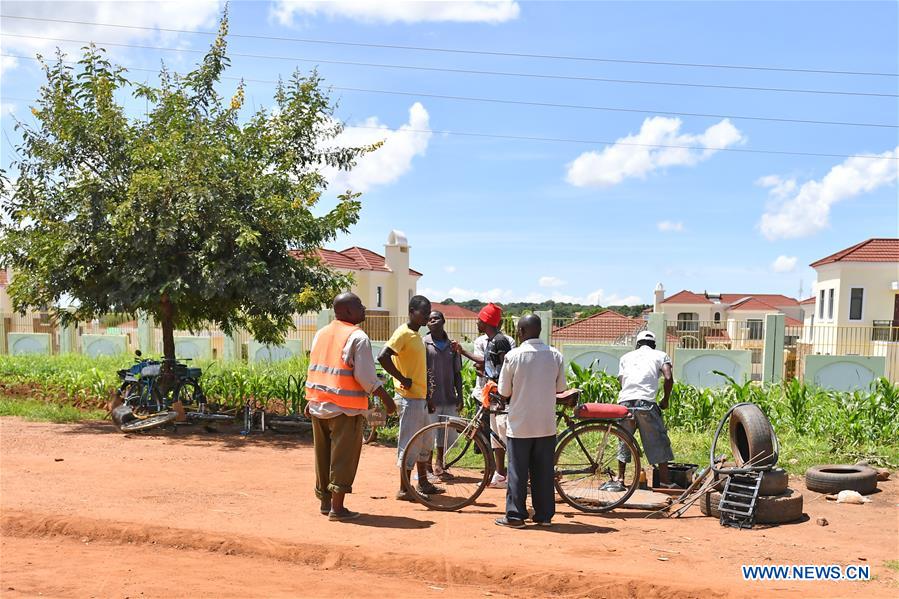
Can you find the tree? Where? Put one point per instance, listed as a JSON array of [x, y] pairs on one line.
[[188, 214]]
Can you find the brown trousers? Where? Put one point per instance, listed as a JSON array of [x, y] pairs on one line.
[[338, 445]]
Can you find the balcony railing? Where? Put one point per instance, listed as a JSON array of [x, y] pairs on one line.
[[885, 330]]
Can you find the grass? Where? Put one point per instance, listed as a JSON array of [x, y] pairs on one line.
[[32, 409], [892, 564]]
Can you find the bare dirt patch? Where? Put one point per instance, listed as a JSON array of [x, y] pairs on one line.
[[219, 515]]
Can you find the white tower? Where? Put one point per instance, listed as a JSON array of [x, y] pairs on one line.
[[659, 296]]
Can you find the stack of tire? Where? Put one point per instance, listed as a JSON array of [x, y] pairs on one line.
[[752, 442]]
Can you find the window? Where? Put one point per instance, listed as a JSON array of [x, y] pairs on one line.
[[756, 356], [717, 316], [830, 304], [856, 297], [821, 306], [756, 328], [688, 321], [380, 297]]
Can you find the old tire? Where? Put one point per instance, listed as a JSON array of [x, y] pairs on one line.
[[779, 509], [833, 478], [774, 481], [751, 436]]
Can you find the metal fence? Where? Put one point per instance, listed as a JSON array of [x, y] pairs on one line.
[[597, 329], [730, 334], [848, 340]]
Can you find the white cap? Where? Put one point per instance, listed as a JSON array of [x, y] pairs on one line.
[[646, 336]]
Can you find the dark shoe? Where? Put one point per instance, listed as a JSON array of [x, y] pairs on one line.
[[325, 507], [509, 522], [406, 496], [547, 523], [343, 515], [430, 489]]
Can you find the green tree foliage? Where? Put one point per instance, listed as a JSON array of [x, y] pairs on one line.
[[559, 309], [188, 213]]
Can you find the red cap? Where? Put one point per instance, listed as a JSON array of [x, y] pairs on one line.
[[491, 314]]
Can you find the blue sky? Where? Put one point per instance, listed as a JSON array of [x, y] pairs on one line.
[[509, 219]]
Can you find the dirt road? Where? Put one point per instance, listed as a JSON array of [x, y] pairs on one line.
[[87, 512]]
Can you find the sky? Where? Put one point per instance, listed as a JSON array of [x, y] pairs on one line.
[[631, 197]]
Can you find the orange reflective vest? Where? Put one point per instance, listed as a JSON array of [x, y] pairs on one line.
[[330, 378]]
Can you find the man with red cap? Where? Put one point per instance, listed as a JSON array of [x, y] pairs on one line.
[[498, 345]]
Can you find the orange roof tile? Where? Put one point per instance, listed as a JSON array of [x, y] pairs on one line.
[[453, 311], [4, 280], [871, 250], [792, 322], [355, 258], [752, 303], [775, 299], [808, 300], [607, 325], [686, 297]]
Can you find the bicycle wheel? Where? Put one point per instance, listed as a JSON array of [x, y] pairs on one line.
[[187, 391], [587, 467], [152, 421], [369, 433], [468, 471]]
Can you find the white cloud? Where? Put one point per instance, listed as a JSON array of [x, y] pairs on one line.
[[7, 63], [7, 108], [403, 11], [627, 158], [171, 15], [507, 295], [389, 162], [551, 282], [667, 226], [801, 210], [784, 264], [450, 269]]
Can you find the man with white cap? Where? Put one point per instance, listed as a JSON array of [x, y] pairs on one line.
[[638, 373]]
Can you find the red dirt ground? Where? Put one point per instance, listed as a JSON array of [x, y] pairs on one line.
[[218, 515]]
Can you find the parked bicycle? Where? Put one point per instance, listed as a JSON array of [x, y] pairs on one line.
[[148, 399], [588, 475]]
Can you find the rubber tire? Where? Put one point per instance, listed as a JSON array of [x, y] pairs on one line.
[[774, 481], [779, 509], [153, 421], [851, 477], [751, 435]]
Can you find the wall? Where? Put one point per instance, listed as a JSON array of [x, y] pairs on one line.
[[876, 280]]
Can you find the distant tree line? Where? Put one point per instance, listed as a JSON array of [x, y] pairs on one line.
[[559, 309]]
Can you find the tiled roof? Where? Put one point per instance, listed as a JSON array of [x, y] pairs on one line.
[[871, 250], [752, 303], [792, 322], [356, 258], [808, 300], [607, 325], [775, 299], [453, 311], [3, 278], [686, 297]]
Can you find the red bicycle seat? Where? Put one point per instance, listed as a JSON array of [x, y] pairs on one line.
[[601, 411]]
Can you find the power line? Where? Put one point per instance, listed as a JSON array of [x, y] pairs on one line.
[[568, 106], [467, 51], [475, 71], [603, 142]]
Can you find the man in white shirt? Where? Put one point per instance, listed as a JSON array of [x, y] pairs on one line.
[[638, 373], [531, 376]]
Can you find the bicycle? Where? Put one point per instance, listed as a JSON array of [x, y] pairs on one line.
[[147, 400], [587, 473]]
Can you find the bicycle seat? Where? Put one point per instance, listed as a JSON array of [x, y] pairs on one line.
[[601, 411], [568, 398]]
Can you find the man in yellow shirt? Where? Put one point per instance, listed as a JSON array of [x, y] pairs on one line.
[[404, 358]]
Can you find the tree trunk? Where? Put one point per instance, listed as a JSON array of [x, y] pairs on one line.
[[168, 329]]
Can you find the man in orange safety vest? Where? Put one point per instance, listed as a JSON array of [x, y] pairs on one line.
[[340, 379]]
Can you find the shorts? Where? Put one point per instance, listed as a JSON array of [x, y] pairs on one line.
[[414, 416], [499, 423], [653, 434], [441, 415]]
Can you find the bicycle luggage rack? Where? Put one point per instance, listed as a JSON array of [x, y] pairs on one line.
[[739, 498]]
